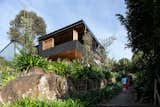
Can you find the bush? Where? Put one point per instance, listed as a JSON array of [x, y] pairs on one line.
[[60, 67], [25, 61], [95, 96], [64, 68], [75, 70], [107, 74]]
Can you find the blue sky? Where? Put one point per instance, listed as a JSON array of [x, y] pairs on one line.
[[99, 15]]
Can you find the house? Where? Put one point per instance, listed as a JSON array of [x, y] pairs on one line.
[[70, 42]]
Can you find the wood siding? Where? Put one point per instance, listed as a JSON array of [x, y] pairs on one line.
[[74, 47], [75, 35], [48, 43]]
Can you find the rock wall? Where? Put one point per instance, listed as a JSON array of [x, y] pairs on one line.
[[42, 85]]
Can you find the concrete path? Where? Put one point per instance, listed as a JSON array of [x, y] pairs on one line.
[[126, 98]]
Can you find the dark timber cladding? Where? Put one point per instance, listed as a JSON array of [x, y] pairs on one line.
[[66, 42]]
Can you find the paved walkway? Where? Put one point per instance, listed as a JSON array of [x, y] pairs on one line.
[[123, 99]]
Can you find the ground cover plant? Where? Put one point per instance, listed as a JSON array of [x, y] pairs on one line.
[[46, 103]]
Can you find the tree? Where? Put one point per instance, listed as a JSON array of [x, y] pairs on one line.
[[17, 27], [106, 42], [142, 22], [138, 61], [124, 64]]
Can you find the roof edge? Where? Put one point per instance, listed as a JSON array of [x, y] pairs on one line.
[[62, 29], [68, 27]]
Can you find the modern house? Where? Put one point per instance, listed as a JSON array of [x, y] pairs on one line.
[[70, 42]]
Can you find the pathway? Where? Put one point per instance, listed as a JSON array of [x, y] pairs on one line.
[[123, 99]]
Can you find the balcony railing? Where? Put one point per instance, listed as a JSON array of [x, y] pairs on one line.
[[71, 45]]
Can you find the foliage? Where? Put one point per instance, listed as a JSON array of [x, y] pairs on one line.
[[124, 66], [16, 25], [107, 74], [73, 69], [24, 61], [142, 22], [95, 96], [106, 42], [5, 65], [7, 72], [90, 73], [88, 56], [75, 100], [64, 68], [142, 32], [76, 70], [24, 27], [60, 67], [141, 86], [7, 76], [45, 103], [3, 61], [109, 63], [117, 75], [138, 61]]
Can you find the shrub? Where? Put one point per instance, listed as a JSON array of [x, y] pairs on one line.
[[25, 61], [64, 68], [95, 96], [85, 72], [60, 67], [75, 70], [107, 74]]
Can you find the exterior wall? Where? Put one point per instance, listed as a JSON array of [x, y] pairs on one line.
[[87, 41], [70, 41], [75, 35], [48, 43]]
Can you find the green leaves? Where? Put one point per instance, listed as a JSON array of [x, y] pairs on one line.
[[7, 76], [75, 70], [25, 61], [38, 25], [61, 67], [45, 103], [95, 96]]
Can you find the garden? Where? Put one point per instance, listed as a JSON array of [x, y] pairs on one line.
[[11, 70], [144, 65]]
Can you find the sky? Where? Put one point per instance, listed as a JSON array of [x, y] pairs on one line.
[[99, 15]]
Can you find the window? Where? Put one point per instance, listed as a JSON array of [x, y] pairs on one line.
[[48, 43]]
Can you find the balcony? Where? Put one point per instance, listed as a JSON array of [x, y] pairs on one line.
[[70, 50]]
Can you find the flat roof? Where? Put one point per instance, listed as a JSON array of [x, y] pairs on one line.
[[69, 27]]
